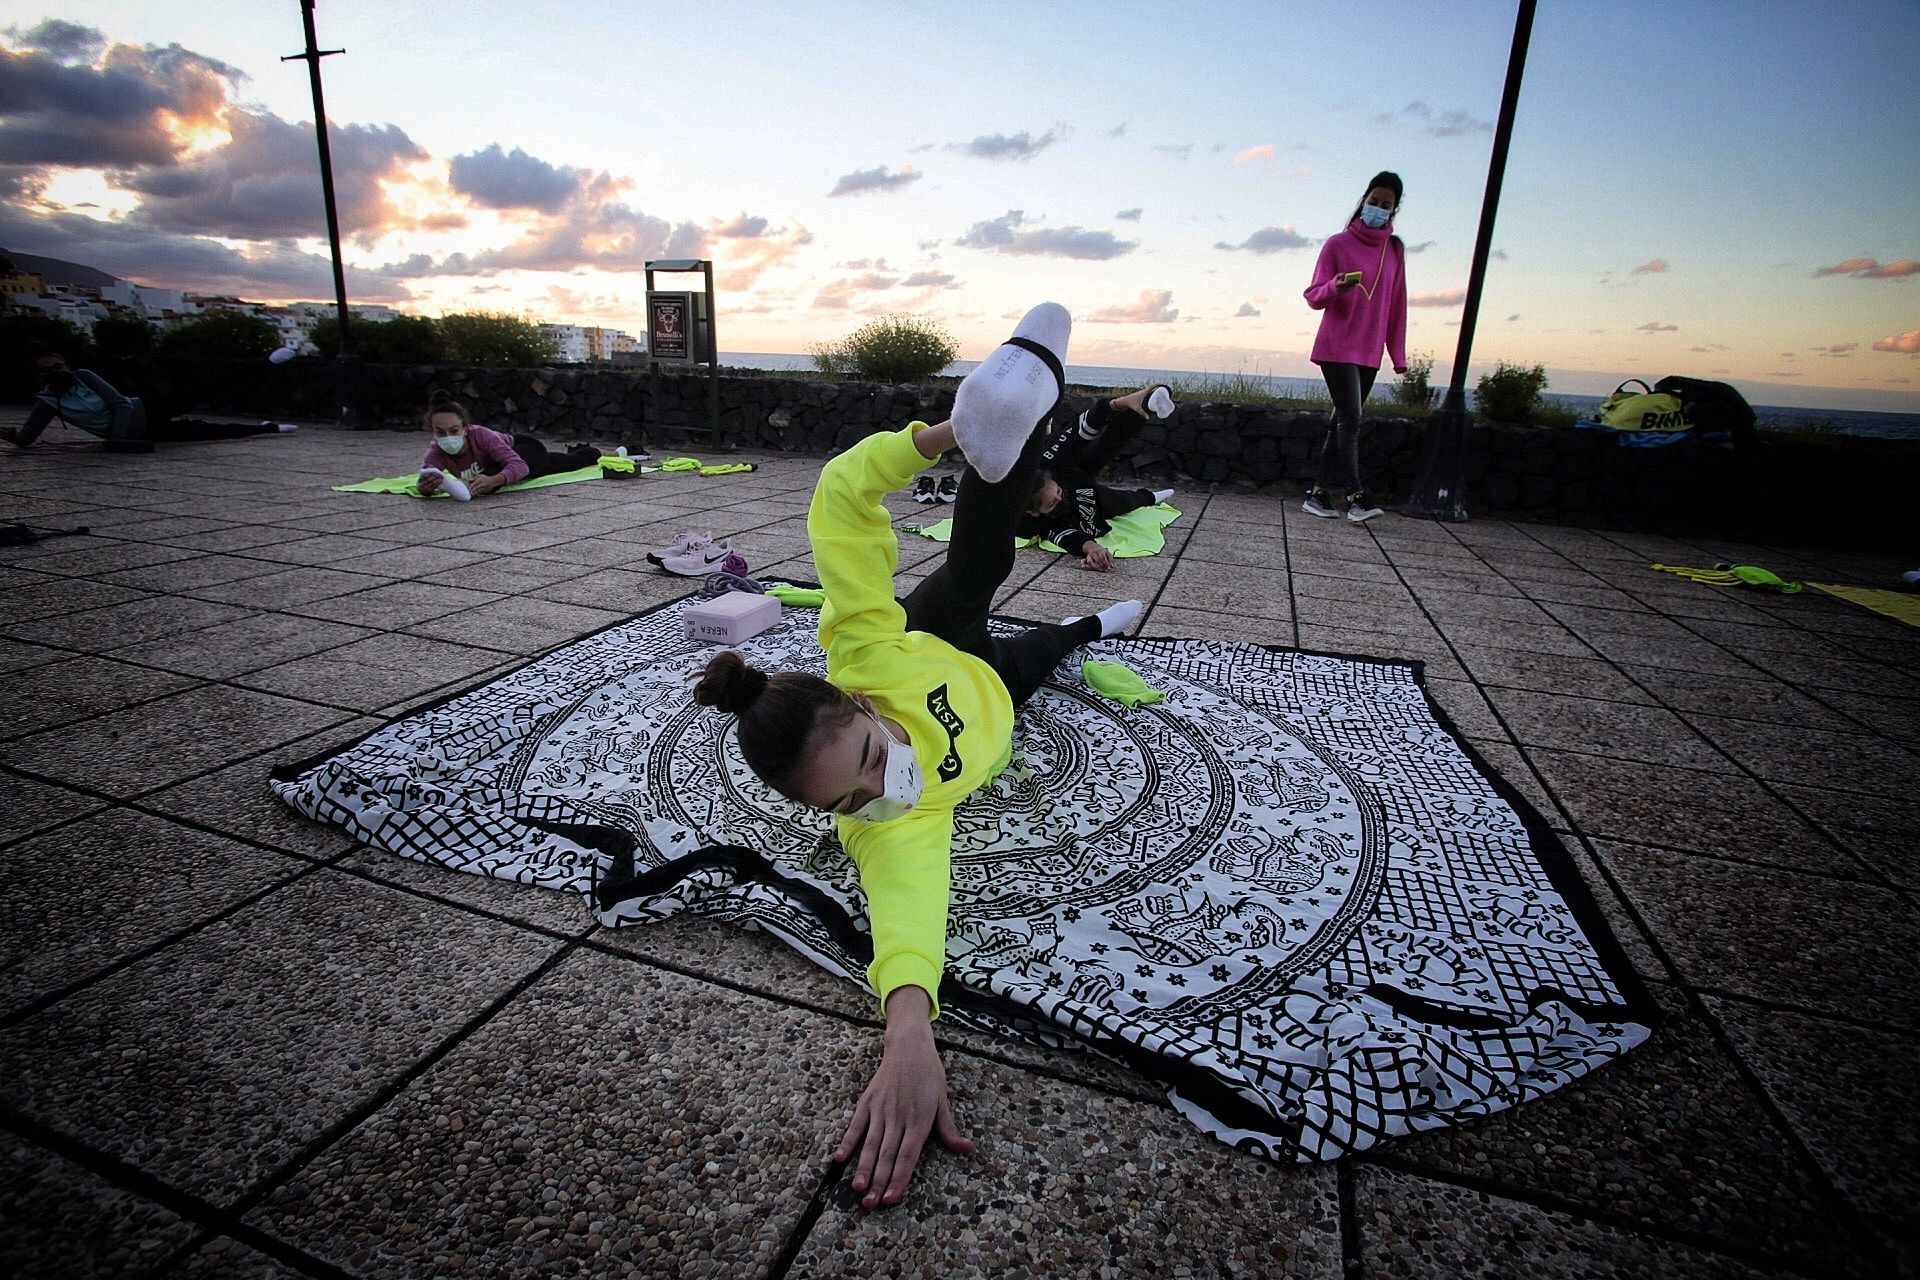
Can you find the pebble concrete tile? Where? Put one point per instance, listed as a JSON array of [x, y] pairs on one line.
[[1856, 761], [1815, 942], [238, 800], [62, 1222], [217, 1060], [1068, 1182], [81, 897], [235, 648], [1421, 1230], [224, 1258], [63, 692], [1617, 730], [27, 806], [597, 1126], [371, 673]]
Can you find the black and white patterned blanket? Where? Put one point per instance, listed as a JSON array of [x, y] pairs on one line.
[[1287, 892]]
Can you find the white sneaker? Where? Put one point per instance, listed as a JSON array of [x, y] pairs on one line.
[[1314, 507], [678, 547], [1360, 513], [1160, 404], [699, 561]]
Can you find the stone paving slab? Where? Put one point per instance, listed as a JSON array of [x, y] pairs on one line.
[[1731, 770]]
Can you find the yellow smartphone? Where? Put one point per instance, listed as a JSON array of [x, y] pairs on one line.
[[1351, 277]]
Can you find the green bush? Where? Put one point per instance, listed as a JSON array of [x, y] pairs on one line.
[[21, 329], [890, 349], [1511, 393], [401, 340], [496, 339], [122, 338], [1415, 389], [223, 334]]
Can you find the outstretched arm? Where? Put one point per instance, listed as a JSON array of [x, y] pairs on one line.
[[905, 1100]]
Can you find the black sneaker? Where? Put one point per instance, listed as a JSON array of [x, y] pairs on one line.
[[949, 490], [924, 490]]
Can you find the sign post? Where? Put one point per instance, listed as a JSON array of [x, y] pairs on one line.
[[680, 331]]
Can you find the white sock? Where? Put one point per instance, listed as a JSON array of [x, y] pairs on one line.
[[999, 404], [1160, 404], [451, 485], [1114, 619], [1162, 495]]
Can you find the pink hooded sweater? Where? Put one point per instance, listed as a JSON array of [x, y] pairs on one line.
[[1371, 315], [488, 452]]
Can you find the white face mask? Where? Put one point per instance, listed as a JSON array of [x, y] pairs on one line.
[[451, 444], [902, 786], [1374, 216]]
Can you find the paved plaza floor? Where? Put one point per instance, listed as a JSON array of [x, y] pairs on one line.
[[235, 1044]]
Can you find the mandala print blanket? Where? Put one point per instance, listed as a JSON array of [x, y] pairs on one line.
[[1286, 892]]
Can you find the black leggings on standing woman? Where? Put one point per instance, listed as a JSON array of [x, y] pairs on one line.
[[954, 601], [1349, 385]]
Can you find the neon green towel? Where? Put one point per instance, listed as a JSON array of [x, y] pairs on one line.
[[698, 467], [1133, 535], [797, 597], [1734, 575], [409, 484], [1120, 682], [612, 463], [1903, 606]]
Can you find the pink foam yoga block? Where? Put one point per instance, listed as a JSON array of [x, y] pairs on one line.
[[731, 618]]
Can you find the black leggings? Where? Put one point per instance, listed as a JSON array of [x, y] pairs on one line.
[[542, 461], [1349, 385], [953, 602]]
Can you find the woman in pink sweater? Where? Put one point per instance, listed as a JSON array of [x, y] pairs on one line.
[[472, 461], [1360, 287]]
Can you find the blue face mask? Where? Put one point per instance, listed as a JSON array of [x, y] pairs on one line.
[[452, 444], [1374, 216]]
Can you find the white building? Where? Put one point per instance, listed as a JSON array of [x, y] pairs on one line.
[[575, 346], [143, 300]]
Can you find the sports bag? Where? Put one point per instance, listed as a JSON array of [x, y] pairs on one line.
[[1644, 410]]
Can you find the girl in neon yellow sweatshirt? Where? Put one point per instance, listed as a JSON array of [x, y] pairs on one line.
[[916, 712]]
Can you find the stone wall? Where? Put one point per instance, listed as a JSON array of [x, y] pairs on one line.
[[1830, 489]]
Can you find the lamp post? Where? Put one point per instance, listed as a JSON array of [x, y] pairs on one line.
[[348, 361], [1437, 485]]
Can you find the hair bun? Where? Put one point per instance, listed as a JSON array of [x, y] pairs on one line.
[[729, 684]]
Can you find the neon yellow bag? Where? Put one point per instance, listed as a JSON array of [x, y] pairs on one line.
[[1644, 410]]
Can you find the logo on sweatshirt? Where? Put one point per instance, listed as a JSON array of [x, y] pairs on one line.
[[942, 710]]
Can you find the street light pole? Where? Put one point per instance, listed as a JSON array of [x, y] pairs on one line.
[[349, 361], [1437, 485]]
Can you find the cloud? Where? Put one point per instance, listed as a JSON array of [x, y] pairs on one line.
[[1841, 349], [1513, 317], [1446, 298], [1269, 240], [1262, 152], [69, 100], [1871, 269], [1907, 343], [1179, 149], [1499, 255], [1784, 373], [742, 228], [1655, 267], [497, 179], [1129, 215], [1422, 247], [1151, 307], [1654, 326], [928, 280], [1003, 146], [1246, 309], [1011, 234], [863, 181], [1118, 131], [1437, 124]]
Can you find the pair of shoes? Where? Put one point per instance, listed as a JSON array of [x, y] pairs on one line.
[[678, 547], [949, 490], [926, 490], [1359, 510], [1316, 505], [702, 559]]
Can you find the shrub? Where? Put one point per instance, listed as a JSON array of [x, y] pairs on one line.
[[890, 349], [122, 338], [1511, 393], [223, 334], [1415, 389], [496, 339], [19, 330], [401, 340]]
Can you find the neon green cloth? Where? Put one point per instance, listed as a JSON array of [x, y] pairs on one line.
[[1903, 606], [698, 467], [408, 484], [1734, 575], [1132, 536], [954, 708], [1120, 682], [612, 463], [797, 597]]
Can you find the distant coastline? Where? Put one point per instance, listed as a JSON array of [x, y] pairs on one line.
[[1852, 422]]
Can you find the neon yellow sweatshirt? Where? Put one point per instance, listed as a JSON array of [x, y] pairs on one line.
[[954, 708]]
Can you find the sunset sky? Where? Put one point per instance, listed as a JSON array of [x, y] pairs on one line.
[[1694, 187]]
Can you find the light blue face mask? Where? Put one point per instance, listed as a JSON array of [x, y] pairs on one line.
[[451, 444], [1374, 216]]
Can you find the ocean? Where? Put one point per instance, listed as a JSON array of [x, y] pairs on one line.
[[1850, 422]]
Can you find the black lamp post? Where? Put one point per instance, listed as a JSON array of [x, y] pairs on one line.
[[1436, 486], [349, 361]]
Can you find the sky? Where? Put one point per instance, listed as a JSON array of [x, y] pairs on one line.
[[1693, 186]]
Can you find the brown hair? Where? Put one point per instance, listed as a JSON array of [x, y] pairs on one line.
[[778, 713], [439, 401]]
